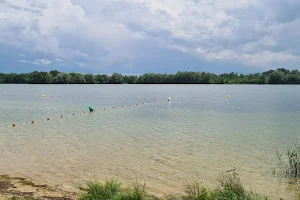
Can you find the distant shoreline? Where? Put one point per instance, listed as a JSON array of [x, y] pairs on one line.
[[279, 76]]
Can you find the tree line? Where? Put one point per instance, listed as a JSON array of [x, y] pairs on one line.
[[279, 76]]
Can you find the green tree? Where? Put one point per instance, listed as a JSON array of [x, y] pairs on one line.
[[10, 78], [276, 77], [2, 78], [62, 78], [54, 72], [77, 78], [130, 79], [264, 79], [102, 79], [90, 78], [117, 78]]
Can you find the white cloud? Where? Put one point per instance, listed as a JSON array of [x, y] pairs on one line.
[[21, 55], [80, 64], [23, 61], [58, 60], [41, 62], [125, 31], [36, 61], [260, 58], [128, 66]]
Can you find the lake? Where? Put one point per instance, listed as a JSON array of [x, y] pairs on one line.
[[199, 135]]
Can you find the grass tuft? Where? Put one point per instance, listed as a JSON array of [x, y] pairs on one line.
[[96, 191], [136, 193], [230, 188], [111, 190], [195, 192], [289, 162]]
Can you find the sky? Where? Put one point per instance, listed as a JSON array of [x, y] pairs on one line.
[[149, 36]]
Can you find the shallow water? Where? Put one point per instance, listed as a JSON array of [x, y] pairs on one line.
[[198, 135]]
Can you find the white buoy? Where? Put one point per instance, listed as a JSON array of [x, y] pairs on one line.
[[169, 99]]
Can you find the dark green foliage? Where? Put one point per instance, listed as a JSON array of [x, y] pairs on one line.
[[279, 76], [90, 78], [117, 78], [102, 79]]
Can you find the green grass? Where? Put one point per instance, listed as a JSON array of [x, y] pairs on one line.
[[289, 162], [230, 188], [111, 190]]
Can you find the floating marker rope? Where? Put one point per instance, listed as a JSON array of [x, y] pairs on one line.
[[81, 112]]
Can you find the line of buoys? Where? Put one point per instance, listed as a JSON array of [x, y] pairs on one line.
[[36, 108], [82, 112]]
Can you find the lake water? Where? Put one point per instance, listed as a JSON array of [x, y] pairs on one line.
[[199, 135]]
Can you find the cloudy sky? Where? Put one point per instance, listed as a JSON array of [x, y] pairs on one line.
[[140, 36]]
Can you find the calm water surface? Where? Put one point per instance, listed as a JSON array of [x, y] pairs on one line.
[[198, 135]]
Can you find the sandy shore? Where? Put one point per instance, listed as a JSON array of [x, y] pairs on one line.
[[21, 188]]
